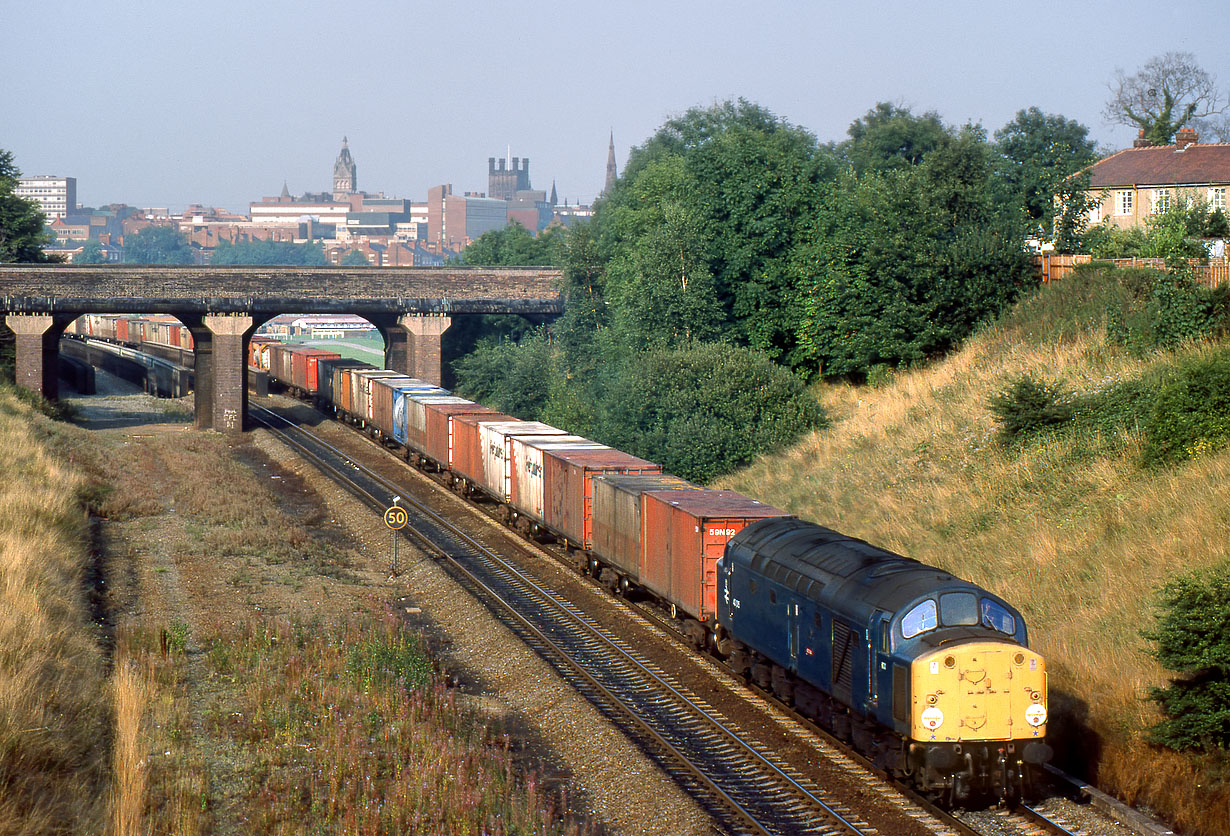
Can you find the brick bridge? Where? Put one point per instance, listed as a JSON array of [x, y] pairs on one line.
[[223, 306]]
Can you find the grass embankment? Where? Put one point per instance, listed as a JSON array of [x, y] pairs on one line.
[[1070, 527], [216, 716], [54, 710]]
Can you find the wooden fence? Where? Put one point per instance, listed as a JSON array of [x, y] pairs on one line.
[[1054, 267]]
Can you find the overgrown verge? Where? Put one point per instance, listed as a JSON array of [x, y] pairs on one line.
[[54, 706], [339, 728], [1075, 520]]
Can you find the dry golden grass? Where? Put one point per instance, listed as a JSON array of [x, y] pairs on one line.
[[53, 707], [129, 768], [1070, 529]]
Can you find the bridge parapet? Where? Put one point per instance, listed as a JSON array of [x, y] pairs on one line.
[[40, 289]]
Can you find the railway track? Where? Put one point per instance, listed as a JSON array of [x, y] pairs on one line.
[[746, 788]]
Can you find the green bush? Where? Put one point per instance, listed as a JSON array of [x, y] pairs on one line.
[[1027, 406], [1193, 639], [705, 410], [1191, 415]]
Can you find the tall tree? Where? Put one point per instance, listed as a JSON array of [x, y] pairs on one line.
[[1169, 92], [891, 137], [157, 245], [1039, 151], [22, 231]]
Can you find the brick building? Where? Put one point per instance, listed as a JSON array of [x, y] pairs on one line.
[[1129, 186]]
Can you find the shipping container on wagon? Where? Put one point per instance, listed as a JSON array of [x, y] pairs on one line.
[[528, 492], [409, 416], [467, 443], [327, 377], [305, 369], [121, 330], [683, 535], [387, 397], [361, 391], [617, 529], [569, 483], [279, 363], [256, 346], [438, 439], [496, 439]]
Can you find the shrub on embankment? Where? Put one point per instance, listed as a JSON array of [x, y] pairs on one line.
[[1072, 523], [54, 714]]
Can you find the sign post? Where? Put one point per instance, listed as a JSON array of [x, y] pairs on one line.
[[395, 517]]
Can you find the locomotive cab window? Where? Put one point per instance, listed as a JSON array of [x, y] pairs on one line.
[[997, 618], [958, 609], [919, 620]]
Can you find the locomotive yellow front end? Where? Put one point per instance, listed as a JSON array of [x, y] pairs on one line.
[[978, 717]]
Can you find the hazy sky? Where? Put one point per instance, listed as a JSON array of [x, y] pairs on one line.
[[166, 103]]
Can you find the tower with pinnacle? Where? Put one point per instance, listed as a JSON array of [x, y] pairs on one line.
[[345, 174]]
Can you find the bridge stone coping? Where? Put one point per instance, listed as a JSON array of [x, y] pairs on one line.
[[222, 306]]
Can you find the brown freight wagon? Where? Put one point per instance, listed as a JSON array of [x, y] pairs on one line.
[[617, 525], [684, 533], [280, 363], [467, 456], [568, 483], [361, 398], [437, 441]]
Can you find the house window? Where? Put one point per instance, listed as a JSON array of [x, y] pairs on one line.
[[1095, 213], [1161, 200], [1217, 198], [1124, 203]]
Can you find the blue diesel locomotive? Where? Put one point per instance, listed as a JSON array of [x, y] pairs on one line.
[[928, 675]]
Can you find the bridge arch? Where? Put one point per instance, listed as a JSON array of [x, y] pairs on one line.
[[222, 306]]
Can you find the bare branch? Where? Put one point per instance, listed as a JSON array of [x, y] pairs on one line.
[[1169, 92]]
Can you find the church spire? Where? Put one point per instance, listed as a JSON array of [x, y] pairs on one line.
[[610, 166], [554, 199]]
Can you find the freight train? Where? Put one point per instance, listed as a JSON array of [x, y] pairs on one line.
[[928, 675]]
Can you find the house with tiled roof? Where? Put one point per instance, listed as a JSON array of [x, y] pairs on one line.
[[1129, 186]]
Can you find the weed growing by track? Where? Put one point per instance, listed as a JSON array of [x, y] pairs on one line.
[[340, 728]]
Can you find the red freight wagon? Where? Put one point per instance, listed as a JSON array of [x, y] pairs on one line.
[[617, 516], [683, 534], [303, 368], [437, 440], [569, 486], [467, 443], [121, 330]]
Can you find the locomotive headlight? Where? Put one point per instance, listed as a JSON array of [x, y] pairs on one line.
[[932, 718], [1035, 715]]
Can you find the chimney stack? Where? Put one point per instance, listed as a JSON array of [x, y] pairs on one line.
[[1185, 137], [1141, 142]]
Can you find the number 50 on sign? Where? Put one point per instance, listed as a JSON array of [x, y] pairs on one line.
[[395, 517]]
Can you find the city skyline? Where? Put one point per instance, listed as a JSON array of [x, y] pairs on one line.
[[160, 105]]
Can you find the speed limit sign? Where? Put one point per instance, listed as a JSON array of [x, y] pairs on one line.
[[395, 517]]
